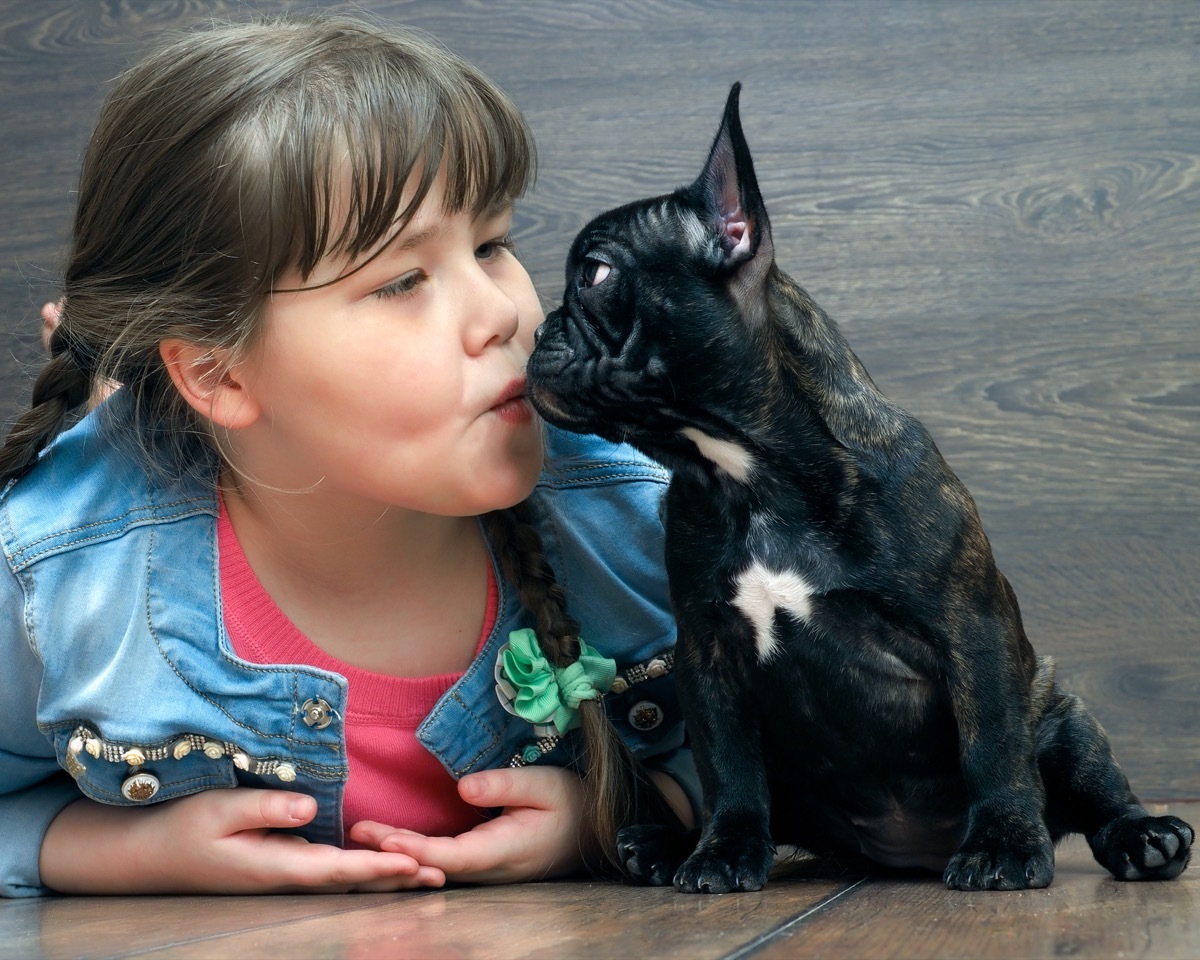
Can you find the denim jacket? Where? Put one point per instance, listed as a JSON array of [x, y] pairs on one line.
[[120, 683]]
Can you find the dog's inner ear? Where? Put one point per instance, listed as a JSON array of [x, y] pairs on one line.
[[735, 228], [735, 207]]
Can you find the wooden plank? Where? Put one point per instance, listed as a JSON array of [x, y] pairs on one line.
[[558, 920], [68, 927], [1084, 914]]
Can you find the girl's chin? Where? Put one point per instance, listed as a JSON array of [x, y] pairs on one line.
[[514, 489]]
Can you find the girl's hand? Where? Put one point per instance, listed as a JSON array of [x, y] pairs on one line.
[[218, 841], [539, 835]]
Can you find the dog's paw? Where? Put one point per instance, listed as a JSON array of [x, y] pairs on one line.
[[1010, 865], [1144, 848], [723, 866], [651, 853]]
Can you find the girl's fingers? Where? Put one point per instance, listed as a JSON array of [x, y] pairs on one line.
[[538, 787], [431, 877], [372, 833], [286, 861], [424, 877], [317, 865], [452, 855], [235, 811]]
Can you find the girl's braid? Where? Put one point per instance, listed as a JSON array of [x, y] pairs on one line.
[[617, 788], [525, 566], [63, 385]]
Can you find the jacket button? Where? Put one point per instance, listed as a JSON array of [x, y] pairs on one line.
[[317, 713], [134, 757], [645, 715], [140, 787]]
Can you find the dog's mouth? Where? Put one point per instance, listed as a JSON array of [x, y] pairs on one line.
[[587, 411], [580, 383], [553, 408]]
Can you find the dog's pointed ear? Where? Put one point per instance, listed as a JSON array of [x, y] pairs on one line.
[[735, 208]]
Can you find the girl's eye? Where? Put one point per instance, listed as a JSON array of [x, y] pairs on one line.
[[403, 287], [594, 272], [493, 248]]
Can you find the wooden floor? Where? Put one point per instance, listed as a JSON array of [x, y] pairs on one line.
[[999, 201], [1085, 914]]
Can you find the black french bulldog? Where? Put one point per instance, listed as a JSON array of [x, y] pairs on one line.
[[852, 666]]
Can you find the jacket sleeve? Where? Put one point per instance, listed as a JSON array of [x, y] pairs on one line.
[[33, 788]]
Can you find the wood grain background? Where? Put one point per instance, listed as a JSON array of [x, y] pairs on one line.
[[999, 201]]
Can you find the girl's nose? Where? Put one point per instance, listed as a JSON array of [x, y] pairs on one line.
[[491, 314]]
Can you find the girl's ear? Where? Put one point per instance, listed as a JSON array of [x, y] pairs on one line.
[[211, 385]]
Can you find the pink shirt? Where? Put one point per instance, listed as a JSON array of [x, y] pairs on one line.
[[393, 779]]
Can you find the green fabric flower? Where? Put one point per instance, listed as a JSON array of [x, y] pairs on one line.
[[549, 694]]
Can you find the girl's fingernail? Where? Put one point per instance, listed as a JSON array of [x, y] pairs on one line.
[[300, 809], [471, 788]]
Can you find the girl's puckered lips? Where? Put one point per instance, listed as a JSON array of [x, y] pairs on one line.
[[512, 406]]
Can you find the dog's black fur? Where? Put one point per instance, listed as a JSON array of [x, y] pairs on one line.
[[854, 673]]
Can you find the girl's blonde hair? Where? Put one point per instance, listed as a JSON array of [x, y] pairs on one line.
[[221, 162]]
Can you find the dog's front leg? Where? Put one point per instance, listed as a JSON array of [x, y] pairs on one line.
[[724, 723], [1007, 846]]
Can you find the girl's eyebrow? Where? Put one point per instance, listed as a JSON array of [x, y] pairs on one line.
[[401, 243]]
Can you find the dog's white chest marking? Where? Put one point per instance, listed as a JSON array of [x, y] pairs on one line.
[[760, 593], [726, 455]]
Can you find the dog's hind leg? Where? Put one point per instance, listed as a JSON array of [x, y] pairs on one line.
[[1087, 793]]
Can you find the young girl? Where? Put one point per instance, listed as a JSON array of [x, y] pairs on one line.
[[300, 550]]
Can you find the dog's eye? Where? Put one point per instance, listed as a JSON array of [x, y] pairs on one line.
[[594, 273]]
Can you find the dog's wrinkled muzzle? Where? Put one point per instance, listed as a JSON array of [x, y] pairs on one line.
[[561, 380]]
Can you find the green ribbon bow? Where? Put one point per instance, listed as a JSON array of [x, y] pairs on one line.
[[549, 694]]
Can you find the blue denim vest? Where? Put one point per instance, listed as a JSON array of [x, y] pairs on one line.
[[117, 668]]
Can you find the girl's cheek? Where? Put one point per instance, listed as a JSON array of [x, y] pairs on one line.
[[531, 319], [525, 336], [529, 307]]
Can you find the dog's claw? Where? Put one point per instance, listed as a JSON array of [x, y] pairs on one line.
[[726, 866], [990, 869], [651, 853], [1144, 848]]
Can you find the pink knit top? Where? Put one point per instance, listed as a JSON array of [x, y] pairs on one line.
[[393, 779]]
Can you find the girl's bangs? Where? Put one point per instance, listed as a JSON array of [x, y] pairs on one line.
[[372, 151]]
